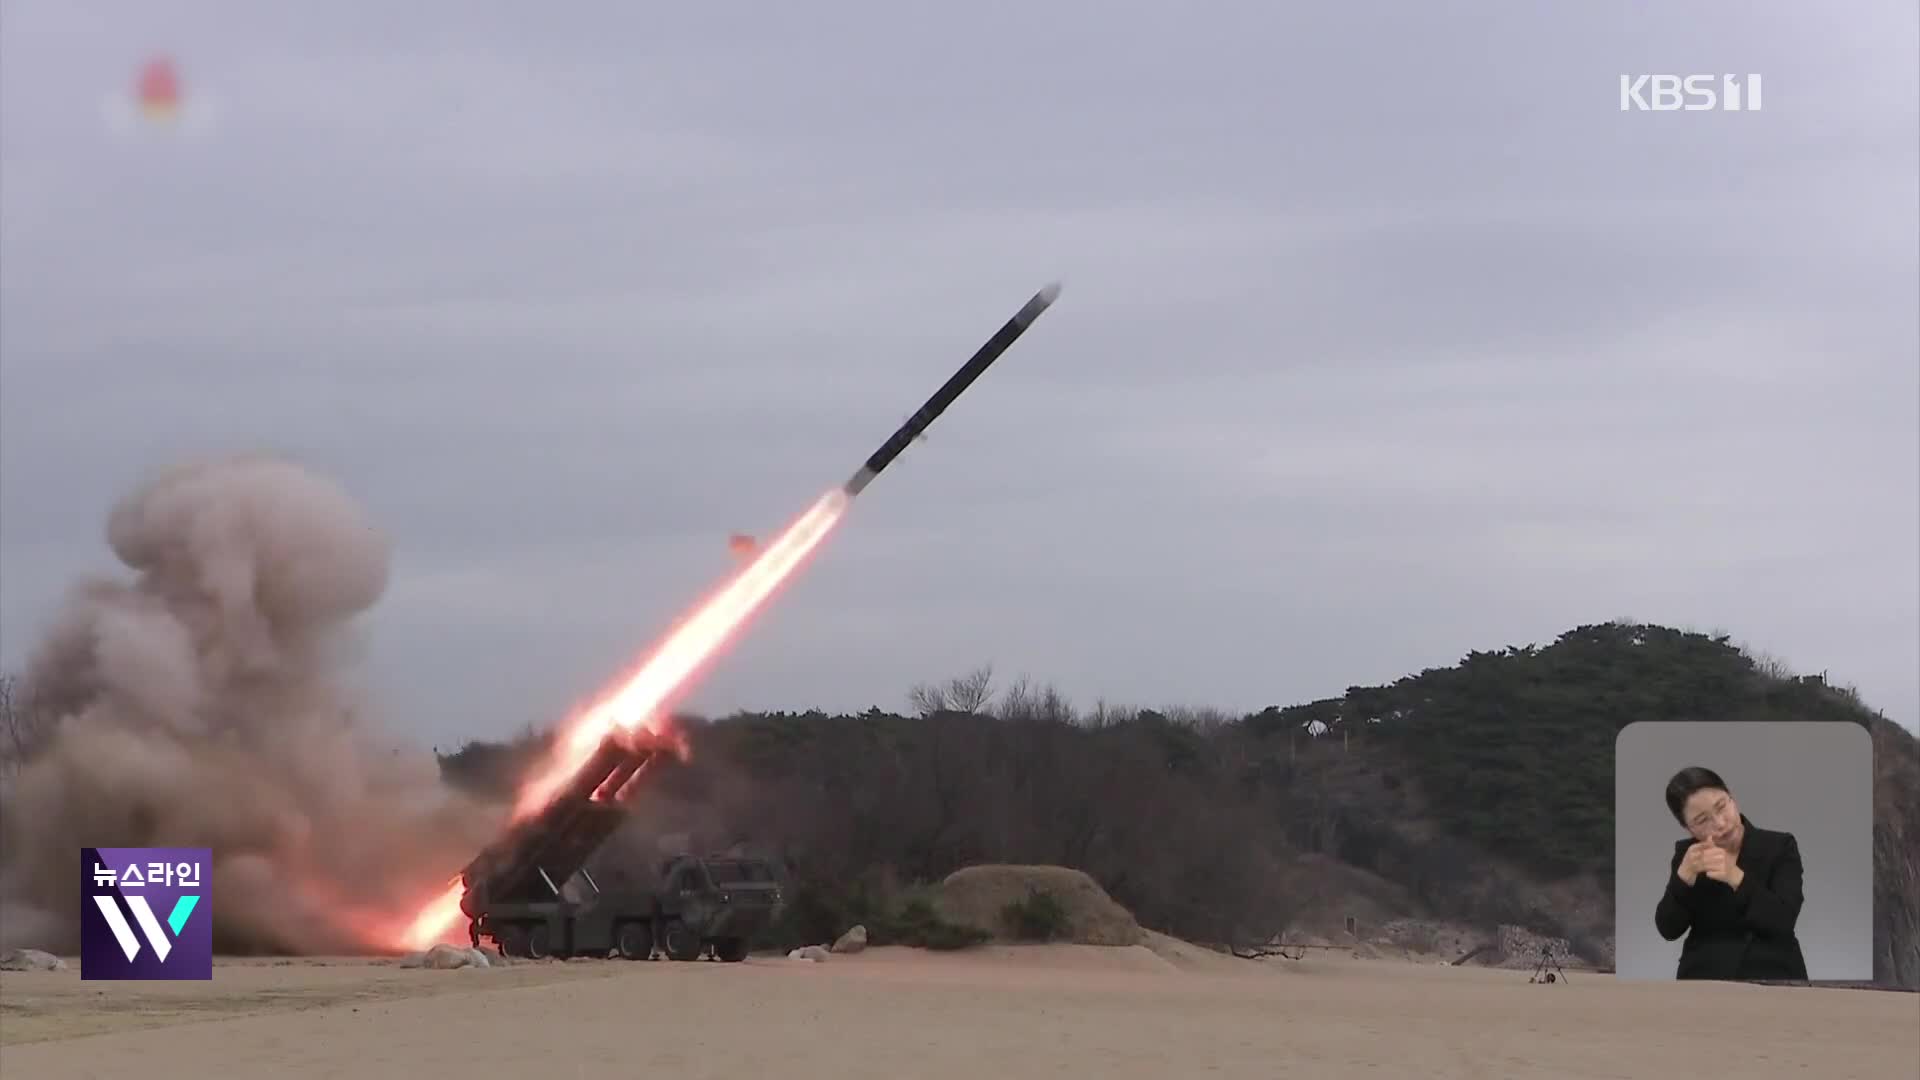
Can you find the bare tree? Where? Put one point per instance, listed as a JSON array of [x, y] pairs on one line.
[[927, 699], [9, 722], [24, 725], [1055, 707], [1204, 719], [1019, 701], [973, 692], [1106, 715], [970, 693], [1025, 702]]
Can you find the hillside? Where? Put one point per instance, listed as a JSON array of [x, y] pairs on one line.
[[1477, 793]]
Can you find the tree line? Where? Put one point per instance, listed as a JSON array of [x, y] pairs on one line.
[[1483, 790]]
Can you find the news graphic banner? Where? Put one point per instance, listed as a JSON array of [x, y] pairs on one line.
[[1813, 779], [145, 913]]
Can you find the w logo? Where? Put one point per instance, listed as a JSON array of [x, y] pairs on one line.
[[143, 913], [125, 892]]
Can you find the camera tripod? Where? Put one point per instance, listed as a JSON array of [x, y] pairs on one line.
[[1540, 972]]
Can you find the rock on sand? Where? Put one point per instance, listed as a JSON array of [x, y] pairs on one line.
[[447, 958], [852, 941], [30, 960]]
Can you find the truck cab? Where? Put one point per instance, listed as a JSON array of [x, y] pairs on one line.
[[717, 903]]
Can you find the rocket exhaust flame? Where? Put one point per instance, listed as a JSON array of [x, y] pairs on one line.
[[435, 920], [639, 702]]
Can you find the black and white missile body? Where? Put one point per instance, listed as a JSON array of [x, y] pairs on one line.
[[943, 397]]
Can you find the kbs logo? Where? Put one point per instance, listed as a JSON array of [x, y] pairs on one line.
[[125, 895], [1689, 93]]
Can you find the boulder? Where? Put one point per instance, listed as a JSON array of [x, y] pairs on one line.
[[852, 941], [447, 958], [30, 960], [815, 953]]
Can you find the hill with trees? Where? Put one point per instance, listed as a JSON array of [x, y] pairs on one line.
[[1479, 793]]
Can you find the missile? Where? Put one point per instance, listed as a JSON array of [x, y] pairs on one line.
[[943, 397]]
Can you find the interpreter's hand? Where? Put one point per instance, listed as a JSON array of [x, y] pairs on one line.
[[1693, 863], [1721, 866]]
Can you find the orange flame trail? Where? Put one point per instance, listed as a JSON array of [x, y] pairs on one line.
[[435, 921], [640, 700]]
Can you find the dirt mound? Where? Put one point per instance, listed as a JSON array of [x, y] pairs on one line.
[[978, 895], [1186, 956]]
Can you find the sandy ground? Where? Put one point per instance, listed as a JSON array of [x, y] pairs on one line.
[[998, 1013]]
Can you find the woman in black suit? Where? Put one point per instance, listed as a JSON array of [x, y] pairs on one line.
[[1734, 889]]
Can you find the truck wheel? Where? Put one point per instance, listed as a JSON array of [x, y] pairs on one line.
[[513, 941], [635, 941], [731, 950], [539, 945], [681, 942]]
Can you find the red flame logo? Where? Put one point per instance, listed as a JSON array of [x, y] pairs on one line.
[[158, 89]]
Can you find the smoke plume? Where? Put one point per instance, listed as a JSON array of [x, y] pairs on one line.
[[203, 704]]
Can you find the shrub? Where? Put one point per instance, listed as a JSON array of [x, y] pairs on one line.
[[917, 924], [816, 915], [1040, 917]]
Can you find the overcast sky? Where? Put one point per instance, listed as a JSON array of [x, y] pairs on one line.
[[1384, 334]]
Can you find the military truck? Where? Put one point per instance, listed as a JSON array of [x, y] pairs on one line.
[[530, 892], [716, 902]]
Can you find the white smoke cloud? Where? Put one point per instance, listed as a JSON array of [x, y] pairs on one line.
[[204, 704]]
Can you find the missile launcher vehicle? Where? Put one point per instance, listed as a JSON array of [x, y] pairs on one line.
[[530, 892]]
